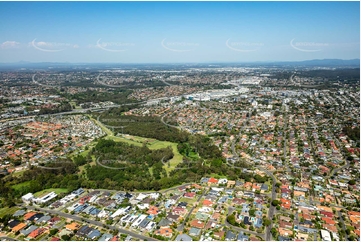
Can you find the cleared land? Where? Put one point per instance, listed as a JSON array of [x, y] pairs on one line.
[[56, 190], [19, 186], [5, 211]]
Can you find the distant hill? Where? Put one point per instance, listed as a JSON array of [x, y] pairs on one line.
[[323, 62]]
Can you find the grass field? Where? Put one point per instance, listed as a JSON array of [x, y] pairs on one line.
[[214, 175], [193, 155], [177, 158], [151, 144], [20, 185], [187, 200], [18, 174], [56, 190], [121, 139], [73, 104], [5, 211]]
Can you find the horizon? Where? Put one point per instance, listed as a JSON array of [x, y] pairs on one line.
[[189, 63], [178, 32]]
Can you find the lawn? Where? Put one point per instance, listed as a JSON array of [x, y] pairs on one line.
[[18, 173], [214, 175], [151, 143], [188, 200], [56, 190], [82, 168], [121, 139], [19, 186], [177, 158], [5, 211], [193, 155], [73, 104]]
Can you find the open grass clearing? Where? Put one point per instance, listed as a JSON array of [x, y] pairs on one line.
[[121, 139], [18, 173], [217, 176], [188, 200], [154, 145], [19, 186], [46, 191], [7, 210], [151, 144]]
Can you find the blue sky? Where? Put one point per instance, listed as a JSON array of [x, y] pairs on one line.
[[173, 32]]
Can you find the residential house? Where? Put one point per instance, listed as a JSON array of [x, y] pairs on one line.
[[212, 181], [153, 210], [165, 223], [285, 232], [164, 232], [219, 235], [195, 232], [242, 237], [28, 230], [189, 194], [173, 217], [183, 237], [18, 227], [207, 203], [230, 236], [231, 183], [197, 224], [105, 237], [179, 211], [73, 226], [36, 233], [93, 234]]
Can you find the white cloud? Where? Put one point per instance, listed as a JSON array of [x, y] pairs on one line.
[[51, 46], [10, 44]]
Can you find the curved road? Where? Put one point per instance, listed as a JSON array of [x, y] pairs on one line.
[[107, 85], [173, 126]]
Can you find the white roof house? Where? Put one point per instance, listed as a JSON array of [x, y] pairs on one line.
[[27, 198], [326, 236]]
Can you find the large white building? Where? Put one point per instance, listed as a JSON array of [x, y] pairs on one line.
[[326, 236], [28, 198], [45, 198]]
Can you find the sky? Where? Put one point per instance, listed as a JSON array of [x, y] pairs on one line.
[[178, 32]]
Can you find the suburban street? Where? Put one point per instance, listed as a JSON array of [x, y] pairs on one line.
[[92, 222], [271, 208]]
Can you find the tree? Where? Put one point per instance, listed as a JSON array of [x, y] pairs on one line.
[[52, 232], [65, 237], [231, 219], [274, 232], [275, 203], [266, 222]]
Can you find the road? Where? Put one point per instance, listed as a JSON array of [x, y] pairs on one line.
[[107, 85], [239, 229], [271, 210], [342, 222], [181, 227], [173, 126], [92, 222], [5, 238]]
